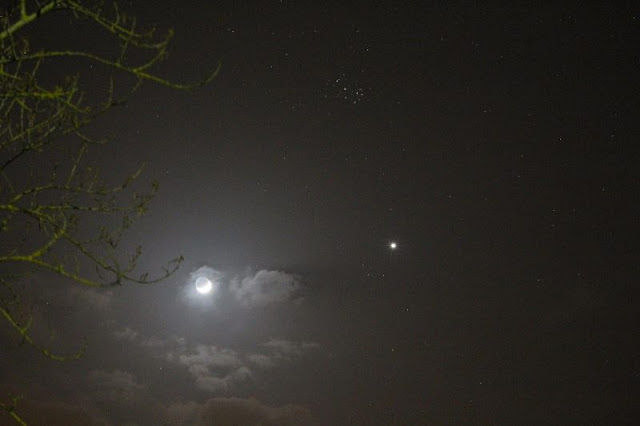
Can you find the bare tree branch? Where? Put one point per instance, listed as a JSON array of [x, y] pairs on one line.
[[46, 213]]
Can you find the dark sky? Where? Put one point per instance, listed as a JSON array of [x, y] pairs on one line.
[[496, 145]]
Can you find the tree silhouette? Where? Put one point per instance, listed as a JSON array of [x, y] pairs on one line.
[[51, 196]]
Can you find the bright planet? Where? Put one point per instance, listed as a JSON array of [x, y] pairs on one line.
[[203, 285]]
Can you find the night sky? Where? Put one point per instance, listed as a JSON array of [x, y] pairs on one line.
[[496, 146]]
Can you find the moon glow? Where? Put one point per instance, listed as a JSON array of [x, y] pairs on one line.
[[203, 285]]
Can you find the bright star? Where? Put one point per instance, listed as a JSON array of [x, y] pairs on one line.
[[393, 245]]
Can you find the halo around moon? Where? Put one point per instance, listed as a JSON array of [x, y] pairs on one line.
[[203, 285]]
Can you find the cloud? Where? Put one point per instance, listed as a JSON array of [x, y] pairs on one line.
[[116, 385], [261, 360], [213, 383], [51, 290], [154, 343], [265, 288], [213, 369], [217, 369], [251, 412], [206, 271], [93, 298], [280, 350], [126, 334], [211, 356], [289, 349]]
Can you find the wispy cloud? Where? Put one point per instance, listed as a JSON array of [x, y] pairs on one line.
[[210, 356], [214, 368], [220, 383], [115, 385], [280, 350], [289, 349], [261, 360], [126, 333]]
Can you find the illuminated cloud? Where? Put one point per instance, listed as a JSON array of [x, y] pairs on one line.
[[210, 356], [213, 383], [265, 288], [213, 369]]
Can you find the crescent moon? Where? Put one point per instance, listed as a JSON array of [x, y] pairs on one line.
[[203, 285]]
